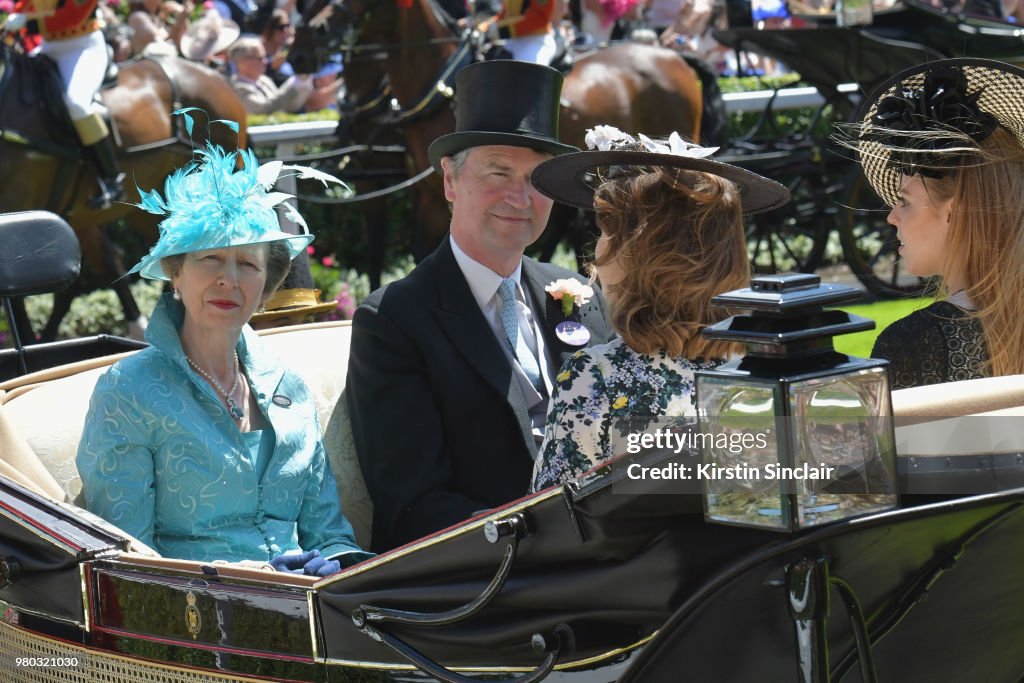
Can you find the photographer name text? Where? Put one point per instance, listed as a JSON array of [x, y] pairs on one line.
[[772, 471]]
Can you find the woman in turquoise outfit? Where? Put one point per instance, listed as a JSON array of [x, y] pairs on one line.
[[203, 445]]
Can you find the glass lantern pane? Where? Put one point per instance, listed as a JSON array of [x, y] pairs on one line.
[[843, 446], [739, 449]]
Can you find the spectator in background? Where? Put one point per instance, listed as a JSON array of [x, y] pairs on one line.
[[158, 25], [239, 11], [277, 37], [206, 40], [326, 84], [598, 17], [116, 32], [258, 92]]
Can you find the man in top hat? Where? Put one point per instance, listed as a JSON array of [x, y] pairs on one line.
[[451, 367]]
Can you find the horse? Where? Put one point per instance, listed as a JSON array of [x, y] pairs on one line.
[[42, 164], [633, 87], [378, 156]]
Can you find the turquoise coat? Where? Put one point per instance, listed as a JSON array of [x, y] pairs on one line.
[[161, 458]]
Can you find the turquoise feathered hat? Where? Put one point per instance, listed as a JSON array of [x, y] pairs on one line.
[[211, 203]]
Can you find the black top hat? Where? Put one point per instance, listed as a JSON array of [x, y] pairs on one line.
[[504, 102], [572, 178]]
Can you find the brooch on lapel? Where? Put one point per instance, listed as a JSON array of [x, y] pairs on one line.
[[572, 294]]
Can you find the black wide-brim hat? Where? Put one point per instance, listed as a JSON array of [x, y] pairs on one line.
[[997, 87], [504, 102], [572, 178]]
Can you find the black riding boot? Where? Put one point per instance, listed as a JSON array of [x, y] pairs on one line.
[[109, 176]]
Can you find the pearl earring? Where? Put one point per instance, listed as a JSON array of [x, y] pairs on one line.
[[176, 295]]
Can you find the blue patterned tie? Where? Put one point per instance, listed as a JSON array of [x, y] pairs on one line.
[[510, 321]]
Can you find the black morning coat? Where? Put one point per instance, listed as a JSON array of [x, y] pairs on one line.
[[440, 424]]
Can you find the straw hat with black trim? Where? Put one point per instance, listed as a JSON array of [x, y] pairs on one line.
[[291, 307], [504, 102], [930, 119], [211, 34], [572, 178]]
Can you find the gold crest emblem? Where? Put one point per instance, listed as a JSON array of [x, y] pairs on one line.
[[193, 620]]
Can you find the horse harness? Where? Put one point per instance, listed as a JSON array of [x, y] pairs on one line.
[[47, 88]]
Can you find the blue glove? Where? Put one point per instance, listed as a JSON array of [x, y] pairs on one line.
[[293, 563], [320, 566], [309, 563]]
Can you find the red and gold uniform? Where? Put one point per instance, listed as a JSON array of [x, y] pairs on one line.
[[520, 18], [62, 19]]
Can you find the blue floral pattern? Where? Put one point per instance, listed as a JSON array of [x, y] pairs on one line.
[[595, 387]]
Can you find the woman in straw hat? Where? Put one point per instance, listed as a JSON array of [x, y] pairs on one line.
[[208, 38], [203, 445], [671, 238], [942, 144]]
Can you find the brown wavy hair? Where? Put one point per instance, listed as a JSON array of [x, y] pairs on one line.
[[678, 237], [986, 240]]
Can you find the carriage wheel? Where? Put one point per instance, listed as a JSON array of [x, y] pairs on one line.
[[870, 245], [792, 238]]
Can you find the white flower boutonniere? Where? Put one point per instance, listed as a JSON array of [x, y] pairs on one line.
[[570, 292]]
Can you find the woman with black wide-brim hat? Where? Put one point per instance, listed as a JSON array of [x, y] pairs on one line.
[[943, 144], [671, 238]]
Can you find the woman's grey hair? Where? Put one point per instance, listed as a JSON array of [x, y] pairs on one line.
[[279, 262]]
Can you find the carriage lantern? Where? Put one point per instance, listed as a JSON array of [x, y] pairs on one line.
[[794, 434]]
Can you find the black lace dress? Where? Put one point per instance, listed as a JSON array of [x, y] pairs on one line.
[[940, 343]]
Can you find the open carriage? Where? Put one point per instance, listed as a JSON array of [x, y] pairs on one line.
[[587, 582]]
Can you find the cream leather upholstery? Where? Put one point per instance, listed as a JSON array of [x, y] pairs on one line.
[[40, 425]]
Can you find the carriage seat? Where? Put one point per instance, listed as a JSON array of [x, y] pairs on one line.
[[41, 417]]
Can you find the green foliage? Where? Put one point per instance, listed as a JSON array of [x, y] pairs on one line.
[[97, 312], [763, 126], [748, 83], [347, 285], [285, 117]]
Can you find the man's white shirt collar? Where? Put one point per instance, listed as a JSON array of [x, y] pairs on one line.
[[483, 282]]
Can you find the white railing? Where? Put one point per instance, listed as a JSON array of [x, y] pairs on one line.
[[285, 136], [787, 98]]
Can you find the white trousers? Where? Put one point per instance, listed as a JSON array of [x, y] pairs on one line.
[[591, 23], [82, 62], [537, 49]]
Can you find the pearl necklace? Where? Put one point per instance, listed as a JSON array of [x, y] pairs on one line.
[[236, 411]]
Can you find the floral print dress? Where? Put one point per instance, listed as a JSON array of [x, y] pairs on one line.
[[598, 385]]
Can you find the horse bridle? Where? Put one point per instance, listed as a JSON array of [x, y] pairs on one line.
[[351, 51], [376, 51]]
